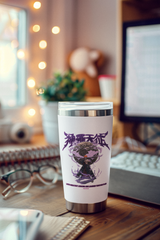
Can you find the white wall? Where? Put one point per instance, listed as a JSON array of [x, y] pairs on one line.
[[59, 13], [90, 23], [96, 28]]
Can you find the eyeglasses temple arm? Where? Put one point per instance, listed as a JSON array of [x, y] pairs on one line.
[[6, 191]]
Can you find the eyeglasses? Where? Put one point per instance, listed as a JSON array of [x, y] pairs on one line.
[[20, 180]]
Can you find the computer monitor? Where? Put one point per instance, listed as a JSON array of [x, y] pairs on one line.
[[140, 86]]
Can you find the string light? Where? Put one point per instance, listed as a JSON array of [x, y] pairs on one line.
[[55, 30], [42, 65], [43, 44], [37, 92], [31, 112], [41, 91], [37, 5], [20, 54], [36, 28], [31, 82]]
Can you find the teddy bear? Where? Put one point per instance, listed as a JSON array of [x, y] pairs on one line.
[[84, 62]]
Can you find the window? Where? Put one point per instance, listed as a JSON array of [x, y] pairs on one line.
[[12, 56], [30, 26]]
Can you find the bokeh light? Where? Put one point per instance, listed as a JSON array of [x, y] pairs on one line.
[[31, 112], [42, 65], [41, 91], [55, 30], [31, 82], [37, 92], [20, 54], [36, 28], [43, 44], [37, 5]]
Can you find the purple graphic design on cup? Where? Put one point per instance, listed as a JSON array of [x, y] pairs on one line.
[[85, 150]]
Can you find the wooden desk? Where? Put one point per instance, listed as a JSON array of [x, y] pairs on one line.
[[123, 218]]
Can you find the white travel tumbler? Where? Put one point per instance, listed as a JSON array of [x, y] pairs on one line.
[[85, 135]]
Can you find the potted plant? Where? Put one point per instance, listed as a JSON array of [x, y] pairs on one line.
[[62, 87]]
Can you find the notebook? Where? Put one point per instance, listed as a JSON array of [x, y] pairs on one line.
[[61, 228], [27, 157], [52, 227]]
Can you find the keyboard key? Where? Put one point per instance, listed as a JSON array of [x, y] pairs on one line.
[[140, 162], [158, 165], [136, 163], [144, 164], [136, 175], [154, 159], [152, 165]]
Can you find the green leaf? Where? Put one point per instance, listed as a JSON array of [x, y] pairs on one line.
[[63, 87]]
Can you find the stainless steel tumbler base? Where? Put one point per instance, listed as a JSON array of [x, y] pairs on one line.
[[86, 208]]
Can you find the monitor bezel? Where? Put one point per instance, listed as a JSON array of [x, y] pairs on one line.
[[123, 117]]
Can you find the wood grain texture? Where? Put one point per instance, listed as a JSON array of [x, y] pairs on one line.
[[155, 235], [49, 200], [123, 219]]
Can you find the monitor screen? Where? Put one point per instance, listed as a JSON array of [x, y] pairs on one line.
[[140, 87]]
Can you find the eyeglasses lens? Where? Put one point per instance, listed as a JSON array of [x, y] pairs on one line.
[[20, 179], [48, 173]]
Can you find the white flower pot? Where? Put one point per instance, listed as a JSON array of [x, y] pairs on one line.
[[49, 113]]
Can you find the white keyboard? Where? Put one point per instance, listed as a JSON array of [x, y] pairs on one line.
[[136, 175]]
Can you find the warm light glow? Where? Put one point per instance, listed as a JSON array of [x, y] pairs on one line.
[[37, 92], [42, 65], [24, 212], [36, 28], [41, 91], [43, 44], [14, 43], [55, 30], [20, 54], [31, 82], [37, 5], [31, 112], [6, 52]]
